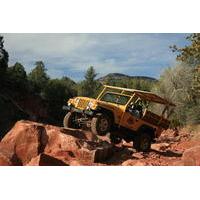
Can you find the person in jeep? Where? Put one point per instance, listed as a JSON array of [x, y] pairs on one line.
[[136, 109]]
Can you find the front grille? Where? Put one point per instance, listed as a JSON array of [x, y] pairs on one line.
[[82, 104]]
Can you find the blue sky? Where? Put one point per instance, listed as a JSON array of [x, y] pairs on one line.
[[71, 54]]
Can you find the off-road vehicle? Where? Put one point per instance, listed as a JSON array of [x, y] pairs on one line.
[[124, 113]]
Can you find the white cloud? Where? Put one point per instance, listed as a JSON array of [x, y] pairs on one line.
[[66, 54]]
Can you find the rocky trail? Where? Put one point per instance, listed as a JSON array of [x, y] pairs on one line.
[[34, 144]]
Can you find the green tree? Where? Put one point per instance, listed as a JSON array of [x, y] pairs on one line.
[[3, 59], [17, 76], [56, 93], [17, 72], [182, 83], [175, 84], [189, 54], [90, 85], [38, 77], [138, 84]]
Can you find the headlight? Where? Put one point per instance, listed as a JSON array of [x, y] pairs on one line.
[[90, 104], [77, 100]]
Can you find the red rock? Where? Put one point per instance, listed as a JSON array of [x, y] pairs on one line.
[[74, 163], [191, 157], [160, 146], [78, 133], [4, 161], [178, 163], [138, 155], [131, 162], [140, 163], [84, 151], [23, 142], [30, 142]]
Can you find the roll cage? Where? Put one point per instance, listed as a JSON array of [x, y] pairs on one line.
[[135, 95]]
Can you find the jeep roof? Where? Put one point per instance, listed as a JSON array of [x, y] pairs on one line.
[[149, 96]]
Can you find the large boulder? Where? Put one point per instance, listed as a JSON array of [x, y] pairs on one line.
[[191, 157], [23, 142], [29, 143]]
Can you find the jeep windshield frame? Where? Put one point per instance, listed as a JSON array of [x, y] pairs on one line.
[[116, 98]]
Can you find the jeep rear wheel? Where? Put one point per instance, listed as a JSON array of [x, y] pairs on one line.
[[70, 120], [100, 124], [142, 142]]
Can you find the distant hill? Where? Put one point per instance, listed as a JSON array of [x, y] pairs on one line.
[[116, 76]]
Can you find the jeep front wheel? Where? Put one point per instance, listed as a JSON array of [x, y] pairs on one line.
[[142, 142], [100, 124], [70, 120]]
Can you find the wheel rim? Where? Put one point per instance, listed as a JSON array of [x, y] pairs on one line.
[[103, 124]]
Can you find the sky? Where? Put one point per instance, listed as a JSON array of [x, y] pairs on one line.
[[67, 54]]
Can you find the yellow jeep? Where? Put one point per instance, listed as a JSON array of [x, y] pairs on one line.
[[124, 113]]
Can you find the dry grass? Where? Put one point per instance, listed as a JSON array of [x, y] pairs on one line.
[[194, 130]]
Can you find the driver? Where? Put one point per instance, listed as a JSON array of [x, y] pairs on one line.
[[136, 108]]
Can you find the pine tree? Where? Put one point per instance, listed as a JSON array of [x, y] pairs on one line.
[[89, 86], [38, 77]]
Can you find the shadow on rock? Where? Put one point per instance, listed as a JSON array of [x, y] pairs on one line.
[[167, 153], [120, 154]]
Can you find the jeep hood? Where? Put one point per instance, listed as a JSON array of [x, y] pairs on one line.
[[84, 103]]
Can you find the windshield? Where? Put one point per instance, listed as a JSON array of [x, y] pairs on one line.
[[115, 98]]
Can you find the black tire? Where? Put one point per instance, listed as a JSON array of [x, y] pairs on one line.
[[100, 124], [114, 139], [142, 142], [69, 120]]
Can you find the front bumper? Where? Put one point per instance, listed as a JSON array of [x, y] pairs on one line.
[[70, 108]]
